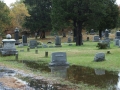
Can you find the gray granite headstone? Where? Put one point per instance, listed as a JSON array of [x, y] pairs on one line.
[[99, 57], [119, 43], [106, 33], [33, 44], [39, 46], [96, 38], [99, 71], [92, 32], [69, 40], [116, 42], [44, 45], [8, 46], [20, 45], [57, 41], [24, 40], [117, 35], [16, 36], [58, 59]]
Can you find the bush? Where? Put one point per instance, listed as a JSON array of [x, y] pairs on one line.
[[102, 45]]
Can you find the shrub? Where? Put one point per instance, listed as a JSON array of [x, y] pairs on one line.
[[102, 45]]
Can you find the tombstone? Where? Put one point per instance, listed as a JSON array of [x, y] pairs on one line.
[[20, 45], [69, 40], [106, 33], [58, 59], [117, 38], [92, 32], [99, 57], [8, 46], [16, 36], [58, 41], [117, 35], [39, 46], [33, 44], [59, 71], [24, 40], [44, 46], [99, 72], [117, 42], [96, 38]]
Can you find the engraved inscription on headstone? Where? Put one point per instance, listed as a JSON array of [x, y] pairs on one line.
[[58, 58]]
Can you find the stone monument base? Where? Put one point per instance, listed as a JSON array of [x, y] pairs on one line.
[[5, 52], [58, 45], [58, 64]]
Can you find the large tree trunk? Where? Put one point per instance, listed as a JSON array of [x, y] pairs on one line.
[[74, 31], [42, 34], [100, 34], [79, 34]]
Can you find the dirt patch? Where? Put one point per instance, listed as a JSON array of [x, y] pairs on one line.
[[12, 82]]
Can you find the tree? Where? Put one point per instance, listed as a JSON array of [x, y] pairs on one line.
[[83, 13], [39, 20], [118, 21], [4, 16], [109, 21], [18, 12]]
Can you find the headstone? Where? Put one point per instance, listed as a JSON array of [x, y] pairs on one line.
[[44, 46], [117, 35], [99, 72], [99, 57], [58, 59], [117, 38], [92, 32], [20, 45], [106, 33], [33, 44], [59, 71], [96, 38], [39, 46], [117, 42], [8, 46], [24, 40], [16, 36], [69, 40], [57, 41]]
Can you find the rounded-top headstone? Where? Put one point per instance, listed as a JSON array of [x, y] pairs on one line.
[[16, 30], [8, 36]]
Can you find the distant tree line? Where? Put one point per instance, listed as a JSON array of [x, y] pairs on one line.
[[54, 15]]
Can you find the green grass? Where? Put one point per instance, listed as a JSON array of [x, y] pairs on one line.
[[76, 55]]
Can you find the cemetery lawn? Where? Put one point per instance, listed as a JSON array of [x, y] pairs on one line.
[[76, 55]]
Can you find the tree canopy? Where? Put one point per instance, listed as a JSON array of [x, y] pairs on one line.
[[84, 14], [4, 16], [18, 12], [39, 19]]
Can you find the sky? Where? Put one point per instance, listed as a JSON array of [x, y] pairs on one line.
[[8, 2]]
